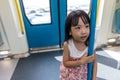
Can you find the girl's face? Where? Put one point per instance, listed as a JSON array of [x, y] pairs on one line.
[[80, 33]]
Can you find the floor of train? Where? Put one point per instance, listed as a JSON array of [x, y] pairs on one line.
[[45, 66]]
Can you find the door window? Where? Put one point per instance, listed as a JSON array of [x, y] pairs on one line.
[[37, 11], [78, 4]]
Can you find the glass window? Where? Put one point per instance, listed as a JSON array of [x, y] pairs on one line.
[[37, 11], [78, 4], [116, 18]]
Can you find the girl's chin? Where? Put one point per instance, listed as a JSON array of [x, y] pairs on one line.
[[81, 41]]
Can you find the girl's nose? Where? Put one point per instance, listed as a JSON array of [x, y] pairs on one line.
[[83, 30]]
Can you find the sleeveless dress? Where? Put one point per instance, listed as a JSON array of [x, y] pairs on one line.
[[74, 73]]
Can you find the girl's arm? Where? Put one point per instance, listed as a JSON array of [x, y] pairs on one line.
[[66, 57], [94, 68], [84, 59]]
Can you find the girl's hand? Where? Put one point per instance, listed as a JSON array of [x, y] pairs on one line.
[[86, 59]]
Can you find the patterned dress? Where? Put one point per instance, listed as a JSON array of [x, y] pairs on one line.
[[74, 73]]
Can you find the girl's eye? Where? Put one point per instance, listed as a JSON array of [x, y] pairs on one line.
[[77, 27], [87, 25]]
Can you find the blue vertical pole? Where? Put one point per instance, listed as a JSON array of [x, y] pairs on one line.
[[93, 11]]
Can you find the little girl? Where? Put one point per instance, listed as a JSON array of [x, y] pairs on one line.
[[75, 59]]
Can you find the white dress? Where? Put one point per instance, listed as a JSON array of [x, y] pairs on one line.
[[74, 73]]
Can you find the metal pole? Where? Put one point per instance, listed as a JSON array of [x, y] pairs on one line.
[[93, 11]]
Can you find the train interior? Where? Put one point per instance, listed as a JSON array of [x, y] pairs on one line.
[[32, 34]]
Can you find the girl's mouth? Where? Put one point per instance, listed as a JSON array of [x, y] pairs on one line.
[[84, 37]]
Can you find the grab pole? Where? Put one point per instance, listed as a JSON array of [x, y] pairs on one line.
[[93, 11]]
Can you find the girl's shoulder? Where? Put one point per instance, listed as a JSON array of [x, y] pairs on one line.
[[66, 43]]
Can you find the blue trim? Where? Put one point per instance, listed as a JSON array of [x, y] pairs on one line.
[[93, 12], [63, 14]]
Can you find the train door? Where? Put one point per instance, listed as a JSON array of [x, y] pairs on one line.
[[44, 20], [41, 22]]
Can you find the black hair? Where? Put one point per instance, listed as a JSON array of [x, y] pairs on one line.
[[72, 20]]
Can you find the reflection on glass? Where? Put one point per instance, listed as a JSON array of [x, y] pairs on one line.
[[37, 11], [116, 18], [78, 4]]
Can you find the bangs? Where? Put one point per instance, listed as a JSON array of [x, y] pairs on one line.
[[85, 20], [75, 21], [84, 16]]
